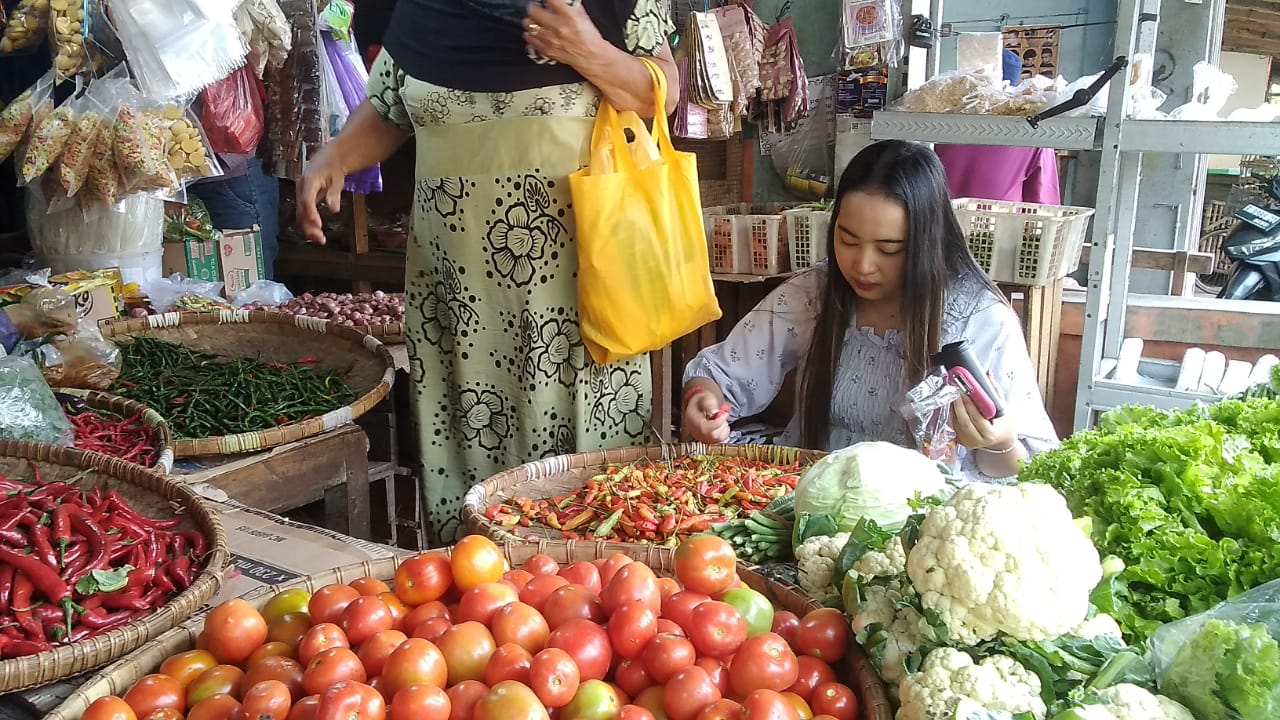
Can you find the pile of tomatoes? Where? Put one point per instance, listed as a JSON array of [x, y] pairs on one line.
[[464, 637]]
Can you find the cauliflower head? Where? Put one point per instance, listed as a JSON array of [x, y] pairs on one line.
[[892, 560], [949, 677], [1004, 559], [1097, 626], [900, 629], [816, 564], [1129, 702]]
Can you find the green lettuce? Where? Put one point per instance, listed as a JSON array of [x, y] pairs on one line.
[[1227, 671]]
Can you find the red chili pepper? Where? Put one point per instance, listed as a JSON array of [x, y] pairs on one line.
[[22, 648], [99, 619], [197, 542], [22, 607], [98, 541], [61, 531], [179, 570]]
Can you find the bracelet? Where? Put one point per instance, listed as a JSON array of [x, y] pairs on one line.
[[1005, 451], [690, 394]]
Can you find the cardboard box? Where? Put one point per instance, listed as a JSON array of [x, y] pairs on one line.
[[194, 258], [241, 258], [267, 549]]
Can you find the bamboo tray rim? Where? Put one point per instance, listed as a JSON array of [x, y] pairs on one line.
[[266, 438], [98, 400]]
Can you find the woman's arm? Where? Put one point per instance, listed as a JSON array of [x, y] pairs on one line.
[[566, 34]]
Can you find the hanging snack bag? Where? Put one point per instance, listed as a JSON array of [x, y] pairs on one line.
[[73, 167], [16, 119], [48, 138], [185, 146], [27, 24], [140, 147]]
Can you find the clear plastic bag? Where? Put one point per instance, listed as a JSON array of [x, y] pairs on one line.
[[139, 147], [1210, 90], [44, 311], [1225, 662], [17, 118], [28, 23], [82, 362], [927, 410], [947, 92], [174, 291], [185, 145], [266, 30], [178, 47], [46, 142], [28, 408], [265, 293], [231, 113]]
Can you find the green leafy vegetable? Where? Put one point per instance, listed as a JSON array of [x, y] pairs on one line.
[[1228, 671], [104, 580], [1189, 500]]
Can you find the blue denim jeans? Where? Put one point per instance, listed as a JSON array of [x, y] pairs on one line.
[[242, 202]]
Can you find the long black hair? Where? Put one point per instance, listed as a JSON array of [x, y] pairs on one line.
[[936, 253]]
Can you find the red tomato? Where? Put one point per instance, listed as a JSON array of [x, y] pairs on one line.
[[823, 634], [268, 700], [669, 627], [508, 662], [420, 702], [612, 565], [785, 624], [716, 628], [537, 590], [716, 670], [570, 602], [763, 662], [466, 647], [235, 629], [425, 612], [217, 680], [666, 655], [399, 611], [109, 708], [432, 628], [667, 587], [482, 601], [165, 714], [632, 677], [587, 643], [723, 709], [305, 709], [369, 586], [688, 692], [632, 626], [218, 707], [509, 700], [156, 692], [327, 603], [540, 564], [270, 649], [679, 607], [365, 617], [651, 700], [518, 578], [476, 560], [554, 677], [802, 707], [463, 698], [281, 669], [706, 564], [835, 700], [520, 624], [187, 666], [768, 705], [373, 653], [287, 629], [332, 666], [415, 662], [583, 573], [631, 582], [319, 638], [634, 712], [812, 672], [351, 700], [423, 578]]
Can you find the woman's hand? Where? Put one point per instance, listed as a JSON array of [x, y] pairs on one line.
[[563, 32], [323, 178], [704, 418], [976, 432]]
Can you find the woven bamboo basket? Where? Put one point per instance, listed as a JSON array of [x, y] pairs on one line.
[[388, 333], [150, 494], [563, 474], [120, 676], [272, 337], [125, 408]]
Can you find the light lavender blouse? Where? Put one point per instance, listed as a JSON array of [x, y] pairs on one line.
[[772, 340]]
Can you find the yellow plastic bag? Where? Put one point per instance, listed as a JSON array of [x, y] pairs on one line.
[[644, 279]]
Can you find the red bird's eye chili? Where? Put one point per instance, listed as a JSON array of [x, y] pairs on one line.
[[127, 438]]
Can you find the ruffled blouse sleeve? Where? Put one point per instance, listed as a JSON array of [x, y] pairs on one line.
[[768, 343]]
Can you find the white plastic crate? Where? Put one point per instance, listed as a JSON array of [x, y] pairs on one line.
[[743, 242], [1023, 243], [807, 236]]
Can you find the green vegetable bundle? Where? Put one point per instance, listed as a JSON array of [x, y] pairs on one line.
[[1190, 500]]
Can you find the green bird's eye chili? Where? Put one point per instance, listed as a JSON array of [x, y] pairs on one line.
[[204, 395]]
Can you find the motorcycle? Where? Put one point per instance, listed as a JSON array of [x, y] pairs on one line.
[[1254, 246]]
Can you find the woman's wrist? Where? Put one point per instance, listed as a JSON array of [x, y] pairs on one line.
[[1001, 447]]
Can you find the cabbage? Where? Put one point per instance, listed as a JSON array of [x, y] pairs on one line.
[[875, 480]]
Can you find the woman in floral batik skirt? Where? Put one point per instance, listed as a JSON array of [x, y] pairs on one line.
[[500, 99]]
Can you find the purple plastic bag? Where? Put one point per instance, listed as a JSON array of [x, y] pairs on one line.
[[352, 80]]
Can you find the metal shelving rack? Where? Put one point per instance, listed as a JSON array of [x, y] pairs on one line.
[[1121, 143]]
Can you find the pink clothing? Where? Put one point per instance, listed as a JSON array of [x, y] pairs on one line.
[[1016, 174]]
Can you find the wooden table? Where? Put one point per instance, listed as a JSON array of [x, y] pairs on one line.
[[333, 467]]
